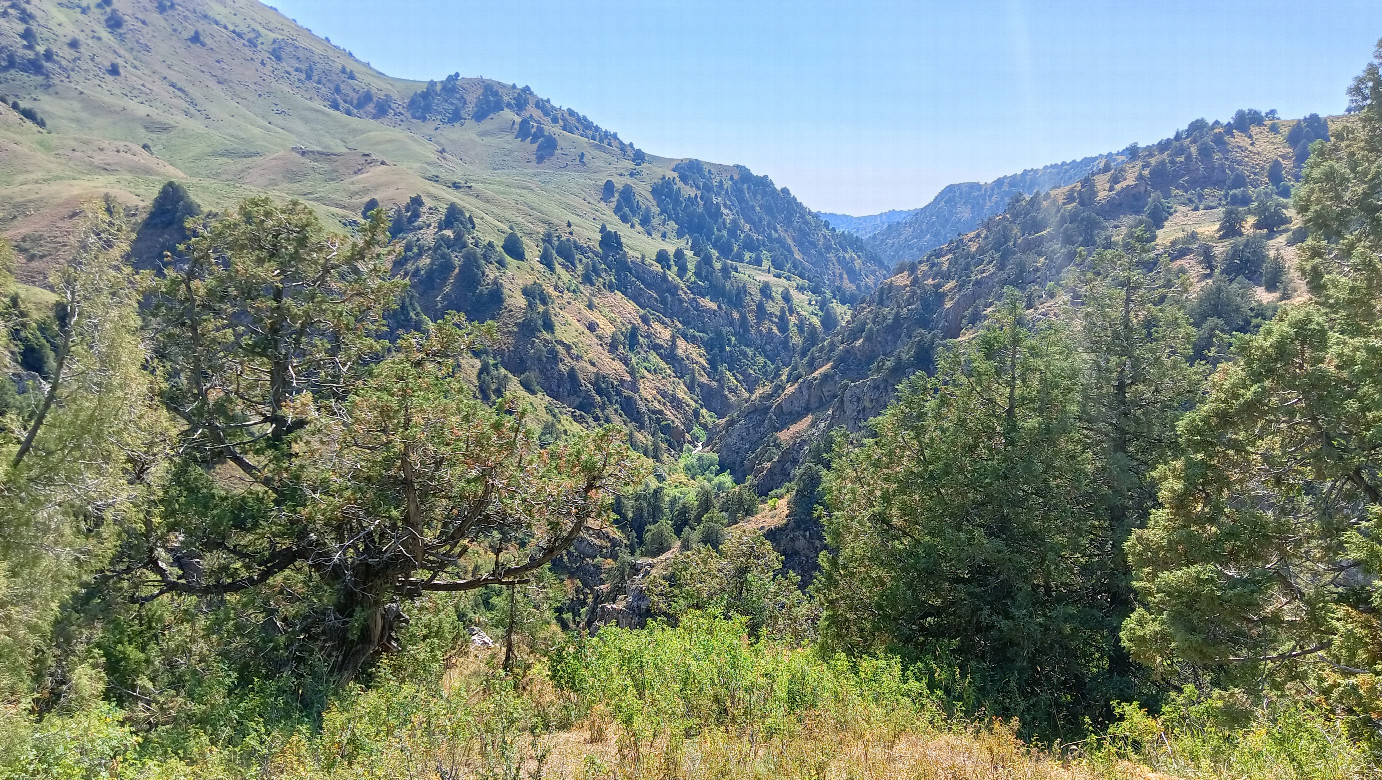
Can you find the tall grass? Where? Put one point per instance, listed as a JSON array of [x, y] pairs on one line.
[[693, 702]]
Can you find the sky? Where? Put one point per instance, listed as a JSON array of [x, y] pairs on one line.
[[862, 106]]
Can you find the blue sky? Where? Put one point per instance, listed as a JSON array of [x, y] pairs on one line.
[[870, 105]]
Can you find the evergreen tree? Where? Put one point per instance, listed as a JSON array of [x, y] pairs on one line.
[[1261, 569], [1276, 172], [172, 207], [658, 539], [455, 219], [1158, 211], [966, 530], [1269, 214], [1138, 382], [513, 246], [1245, 257], [806, 495], [398, 222], [1231, 224], [364, 470], [1274, 273], [80, 453]]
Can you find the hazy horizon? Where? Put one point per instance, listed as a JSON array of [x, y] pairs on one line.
[[877, 105]]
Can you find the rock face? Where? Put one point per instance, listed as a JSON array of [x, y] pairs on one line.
[[479, 639], [630, 606], [585, 560]]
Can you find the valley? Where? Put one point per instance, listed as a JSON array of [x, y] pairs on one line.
[[358, 426]]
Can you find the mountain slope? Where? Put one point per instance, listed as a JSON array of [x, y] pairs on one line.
[[959, 208], [664, 311], [1184, 184], [865, 226]]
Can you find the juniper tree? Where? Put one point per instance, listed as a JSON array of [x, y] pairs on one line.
[[966, 530], [366, 474], [1261, 567]]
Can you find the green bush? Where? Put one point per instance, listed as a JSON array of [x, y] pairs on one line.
[[705, 674], [1225, 734], [87, 744], [513, 246]]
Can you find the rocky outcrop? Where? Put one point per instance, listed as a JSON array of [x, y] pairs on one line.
[[629, 606], [586, 558]]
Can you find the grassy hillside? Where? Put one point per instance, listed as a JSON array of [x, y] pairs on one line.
[[231, 99], [1037, 245]]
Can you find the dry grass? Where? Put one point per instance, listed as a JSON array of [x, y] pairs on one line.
[[820, 751]]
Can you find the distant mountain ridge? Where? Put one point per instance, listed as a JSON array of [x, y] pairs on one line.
[[864, 227], [960, 208], [624, 287]]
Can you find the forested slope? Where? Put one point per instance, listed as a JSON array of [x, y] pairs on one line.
[[960, 208], [294, 484], [1179, 191], [663, 311]]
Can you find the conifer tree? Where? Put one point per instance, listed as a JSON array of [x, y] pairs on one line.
[[1261, 567], [1138, 381], [967, 532], [366, 474], [81, 450], [1231, 224]]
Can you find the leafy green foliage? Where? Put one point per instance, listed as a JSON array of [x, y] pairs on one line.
[[737, 578], [703, 675]]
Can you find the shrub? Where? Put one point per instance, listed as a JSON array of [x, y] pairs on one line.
[[1245, 257], [1227, 735], [663, 681], [513, 246], [658, 539]]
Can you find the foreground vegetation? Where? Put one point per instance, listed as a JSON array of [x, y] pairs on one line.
[[695, 701], [252, 513]]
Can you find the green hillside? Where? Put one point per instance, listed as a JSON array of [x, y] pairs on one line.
[[230, 100]]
